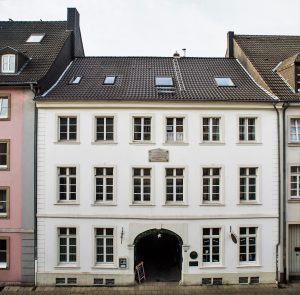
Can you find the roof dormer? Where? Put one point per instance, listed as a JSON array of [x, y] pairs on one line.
[[11, 60], [289, 70]]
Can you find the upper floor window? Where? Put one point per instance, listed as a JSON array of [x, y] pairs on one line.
[[248, 244], [109, 80], [247, 129], [75, 80], [4, 202], [142, 129], [4, 108], [211, 184], [67, 184], [211, 245], [224, 82], [4, 252], [105, 128], [104, 181], [174, 184], [211, 129], [104, 240], [4, 154], [164, 81], [295, 130], [295, 182], [141, 184], [67, 128], [35, 38], [67, 245], [174, 130], [248, 184], [8, 63]]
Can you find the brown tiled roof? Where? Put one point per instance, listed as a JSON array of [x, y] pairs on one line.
[[42, 55], [136, 80], [265, 53]]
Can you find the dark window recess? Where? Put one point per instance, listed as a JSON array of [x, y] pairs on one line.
[[217, 281], [60, 281], [109, 282], [243, 280], [298, 79], [98, 281], [109, 80], [254, 280], [206, 281], [72, 281]]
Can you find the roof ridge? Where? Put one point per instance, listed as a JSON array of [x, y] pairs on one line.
[[33, 21], [159, 57], [267, 36]]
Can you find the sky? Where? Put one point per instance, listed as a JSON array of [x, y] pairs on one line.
[[161, 27]]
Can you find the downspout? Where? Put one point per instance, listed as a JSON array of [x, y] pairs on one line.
[[279, 191], [285, 106]]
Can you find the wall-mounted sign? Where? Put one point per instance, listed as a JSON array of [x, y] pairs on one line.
[[123, 262], [193, 263], [158, 155]]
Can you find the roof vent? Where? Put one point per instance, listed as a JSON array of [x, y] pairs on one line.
[[176, 55]]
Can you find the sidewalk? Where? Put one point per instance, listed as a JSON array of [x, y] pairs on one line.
[[157, 288]]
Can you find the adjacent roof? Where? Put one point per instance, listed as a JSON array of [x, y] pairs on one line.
[[136, 80], [265, 53], [42, 55]]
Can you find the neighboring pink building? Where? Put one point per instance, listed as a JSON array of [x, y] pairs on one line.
[[30, 62]]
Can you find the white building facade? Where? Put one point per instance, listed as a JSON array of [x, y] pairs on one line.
[[188, 187]]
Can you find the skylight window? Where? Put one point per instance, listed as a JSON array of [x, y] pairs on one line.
[[224, 82], [164, 81], [35, 38], [109, 80], [75, 80]]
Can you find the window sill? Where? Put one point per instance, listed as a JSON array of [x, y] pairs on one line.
[[4, 216], [175, 143], [173, 204], [104, 142], [218, 266], [212, 204], [66, 266], [294, 200], [249, 143], [2, 168], [248, 265], [248, 203], [104, 266], [142, 205], [69, 203], [96, 204], [4, 119], [142, 143], [67, 142], [294, 144], [209, 143]]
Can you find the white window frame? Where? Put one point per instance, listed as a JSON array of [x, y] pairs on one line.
[[210, 177], [2, 98], [257, 129], [297, 175], [59, 201], [68, 117], [67, 236], [142, 177], [105, 264], [105, 177], [221, 129], [257, 245], [174, 132], [257, 185], [297, 127], [7, 201], [105, 117], [35, 38], [210, 237], [142, 140], [184, 183], [8, 63]]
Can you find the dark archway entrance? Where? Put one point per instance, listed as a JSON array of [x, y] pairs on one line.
[[161, 252]]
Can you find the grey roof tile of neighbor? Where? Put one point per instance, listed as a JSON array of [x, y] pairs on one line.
[[136, 76], [41, 55], [265, 53]]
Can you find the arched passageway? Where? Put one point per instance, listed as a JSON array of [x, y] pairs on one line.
[[161, 252]]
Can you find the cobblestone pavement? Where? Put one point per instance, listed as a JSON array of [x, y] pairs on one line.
[[156, 289]]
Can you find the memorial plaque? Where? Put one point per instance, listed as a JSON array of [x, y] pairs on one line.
[[158, 155]]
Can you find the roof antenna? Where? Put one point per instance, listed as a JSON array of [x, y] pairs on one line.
[[184, 52], [11, 20]]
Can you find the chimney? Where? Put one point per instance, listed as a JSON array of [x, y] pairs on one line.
[[176, 55], [230, 51], [73, 19]]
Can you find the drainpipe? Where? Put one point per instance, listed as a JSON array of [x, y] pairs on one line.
[[285, 106], [279, 190]]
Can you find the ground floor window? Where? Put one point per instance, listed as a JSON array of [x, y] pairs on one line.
[[211, 245], [67, 244], [4, 252], [104, 238], [248, 244]]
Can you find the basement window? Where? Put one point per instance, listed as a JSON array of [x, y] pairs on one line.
[[35, 38], [164, 81], [224, 82], [75, 80], [109, 80]]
